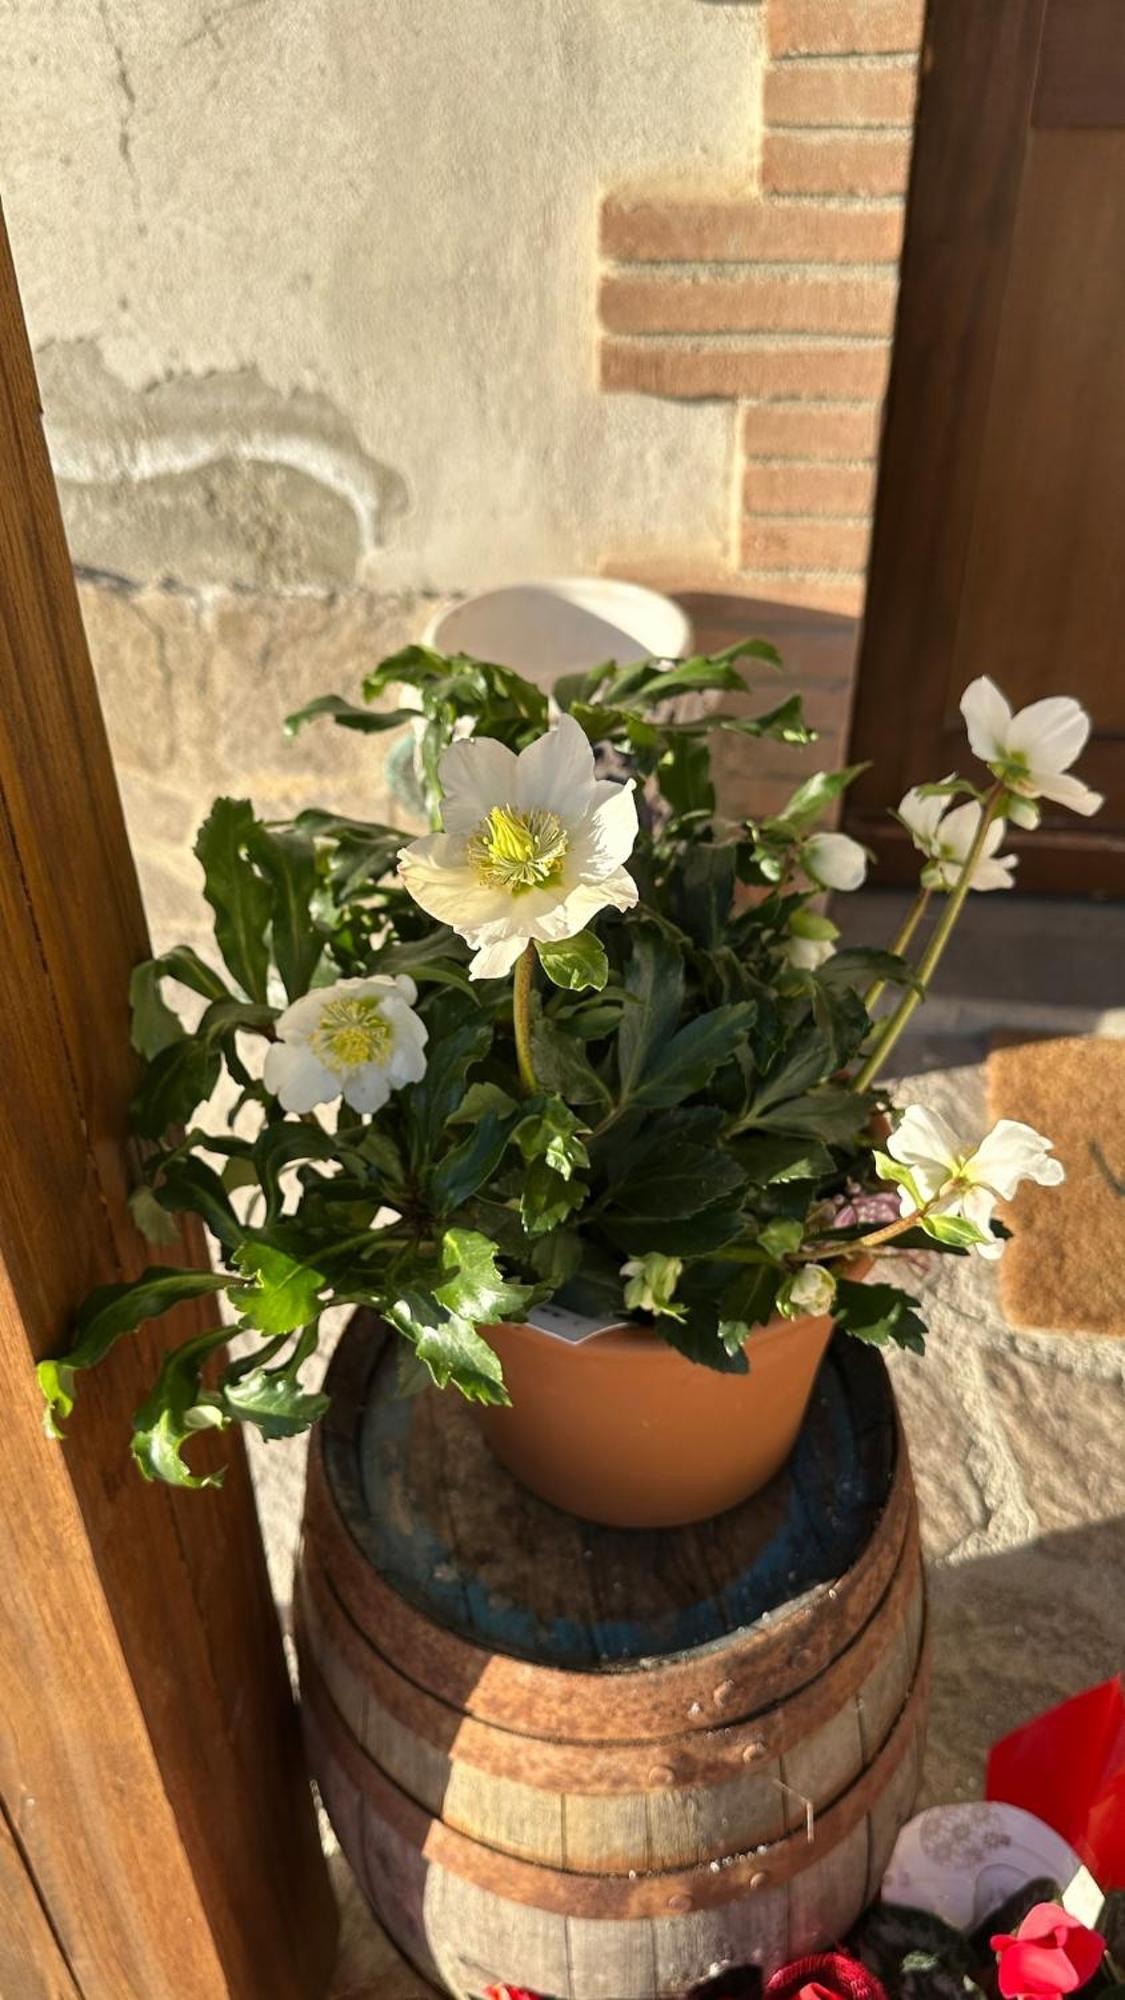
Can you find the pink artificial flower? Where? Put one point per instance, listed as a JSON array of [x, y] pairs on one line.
[[1051, 1953]]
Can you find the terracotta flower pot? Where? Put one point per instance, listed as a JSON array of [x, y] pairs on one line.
[[621, 1429]]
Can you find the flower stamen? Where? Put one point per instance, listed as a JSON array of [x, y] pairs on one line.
[[518, 849], [351, 1032]]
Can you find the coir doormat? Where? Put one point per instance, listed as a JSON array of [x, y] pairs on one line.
[[1064, 1269]]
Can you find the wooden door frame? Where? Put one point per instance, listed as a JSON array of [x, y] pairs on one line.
[[979, 73], [157, 1833]]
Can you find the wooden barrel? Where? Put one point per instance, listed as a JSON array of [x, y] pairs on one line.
[[606, 1764]]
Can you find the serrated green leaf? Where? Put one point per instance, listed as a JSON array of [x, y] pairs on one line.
[[287, 859], [575, 963], [562, 1067], [280, 1145], [549, 1131], [273, 1400], [189, 1183], [456, 1043], [816, 794], [878, 1314], [237, 894], [153, 1024], [767, 1160], [480, 1098], [461, 1172], [112, 1310], [175, 1084], [370, 721], [172, 1414], [672, 1182], [548, 1198], [285, 1290], [449, 1347], [474, 1285], [654, 980], [687, 1062]]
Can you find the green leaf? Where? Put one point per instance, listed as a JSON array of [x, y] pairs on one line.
[[285, 1293], [677, 1180], [189, 1183], [470, 1164], [684, 776], [768, 1161], [154, 1025], [562, 1067], [480, 1098], [281, 1145], [654, 979], [955, 1230], [173, 1413], [110, 1311], [548, 1197], [700, 1339], [236, 892], [450, 1348], [456, 1043], [185, 965], [549, 1131], [274, 1401], [750, 1298], [815, 796], [174, 1085], [371, 721], [288, 862], [150, 1218], [860, 964], [804, 1060], [575, 962], [878, 1314], [831, 1113], [703, 891], [473, 1283], [687, 1062], [680, 1236], [782, 1236]]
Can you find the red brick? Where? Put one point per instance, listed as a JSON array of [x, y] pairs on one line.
[[681, 229], [771, 541], [844, 594], [857, 163], [839, 93], [790, 488], [655, 368], [844, 27], [759, 304], [811, 430]]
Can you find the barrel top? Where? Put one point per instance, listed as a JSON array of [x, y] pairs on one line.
[[455, 1536]]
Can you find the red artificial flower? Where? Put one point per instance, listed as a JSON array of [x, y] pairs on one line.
[[509, 1993], [830, 1976], [1051, 1953]]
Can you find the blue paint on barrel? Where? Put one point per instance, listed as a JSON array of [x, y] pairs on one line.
[[571, 1594]]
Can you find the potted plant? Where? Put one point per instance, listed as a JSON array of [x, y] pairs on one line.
[[582, 1051]]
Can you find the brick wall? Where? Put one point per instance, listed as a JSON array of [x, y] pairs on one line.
[[780, 300]]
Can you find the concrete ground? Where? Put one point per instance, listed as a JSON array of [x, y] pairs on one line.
[[1016, 1439]]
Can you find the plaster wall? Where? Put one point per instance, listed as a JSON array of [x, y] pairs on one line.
[[311, 282]]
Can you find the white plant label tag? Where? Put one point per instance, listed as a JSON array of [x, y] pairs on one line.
[[571, 1327]]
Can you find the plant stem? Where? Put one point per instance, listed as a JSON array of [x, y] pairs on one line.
[[897, 1021], [521, 1018], [913, 918]]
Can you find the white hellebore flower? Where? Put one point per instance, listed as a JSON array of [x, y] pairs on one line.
[[530, 847], [834, 861], [946, 837], [1032, 751], [809, 941], [810, 1291], [968, 1180], [359, 1039], [651, 1283]]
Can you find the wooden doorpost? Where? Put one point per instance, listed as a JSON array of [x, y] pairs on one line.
[[157, 1834]]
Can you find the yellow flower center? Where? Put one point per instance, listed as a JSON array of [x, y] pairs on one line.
[[350, 1033], [518, 849]]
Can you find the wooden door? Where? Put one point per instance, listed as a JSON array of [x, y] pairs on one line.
[[999, 541], [157, 1833]]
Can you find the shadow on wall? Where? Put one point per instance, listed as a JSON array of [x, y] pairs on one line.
[[216, 478]]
